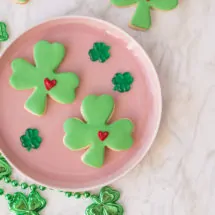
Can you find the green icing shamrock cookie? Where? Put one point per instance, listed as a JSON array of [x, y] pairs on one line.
[[43, 78], [20, 204], [95, 134], [105, 203], [142, 18]]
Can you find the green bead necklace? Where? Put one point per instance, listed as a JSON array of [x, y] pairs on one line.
[[32, 204]]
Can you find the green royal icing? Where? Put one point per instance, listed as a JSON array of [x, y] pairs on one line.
[[96, 134], [3, 32], [43, 78], [105, 203], [5, 168], [99, 52], [20, 204], [142, 16], [31, 139], [122, 82]]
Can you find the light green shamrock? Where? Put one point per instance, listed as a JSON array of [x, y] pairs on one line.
[[142, 17], [43, 78], [95, 133]]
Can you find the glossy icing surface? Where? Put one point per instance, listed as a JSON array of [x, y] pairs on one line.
[[43, 78], [97, 134]]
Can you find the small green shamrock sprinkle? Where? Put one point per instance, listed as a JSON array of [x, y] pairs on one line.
[[31, 139], [3, 32], [105, 203], [99, 52], [122, 82]]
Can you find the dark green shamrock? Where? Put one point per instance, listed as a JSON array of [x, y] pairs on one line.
[[20, 204], [31, 139], [105, 203], [3, 32], [5, 168], [122, 82], [100, 52]]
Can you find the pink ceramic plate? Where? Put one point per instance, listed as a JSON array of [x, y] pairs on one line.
[[53, 164]]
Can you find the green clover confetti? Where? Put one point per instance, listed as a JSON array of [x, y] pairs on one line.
[[122, 82], [142, 17], [5, 168], [3, 32], [99, 52], [31, 139], [20, 204], [105, 203], [95, 134]]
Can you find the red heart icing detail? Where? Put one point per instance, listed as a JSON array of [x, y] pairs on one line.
[[49, 83], [103, 135]]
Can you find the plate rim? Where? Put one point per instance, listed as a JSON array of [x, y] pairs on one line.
[[158, 107]]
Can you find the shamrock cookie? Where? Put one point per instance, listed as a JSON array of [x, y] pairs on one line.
[[43, 78], [142, 18], [95, 134]]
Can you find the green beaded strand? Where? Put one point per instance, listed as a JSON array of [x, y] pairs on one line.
[[77, 195], [15, 183], [15, 207], [42, 188], [1, 191], [7, 180], [33, 187], [24, 185], [68, 194], [86, 194], [8, 197]]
